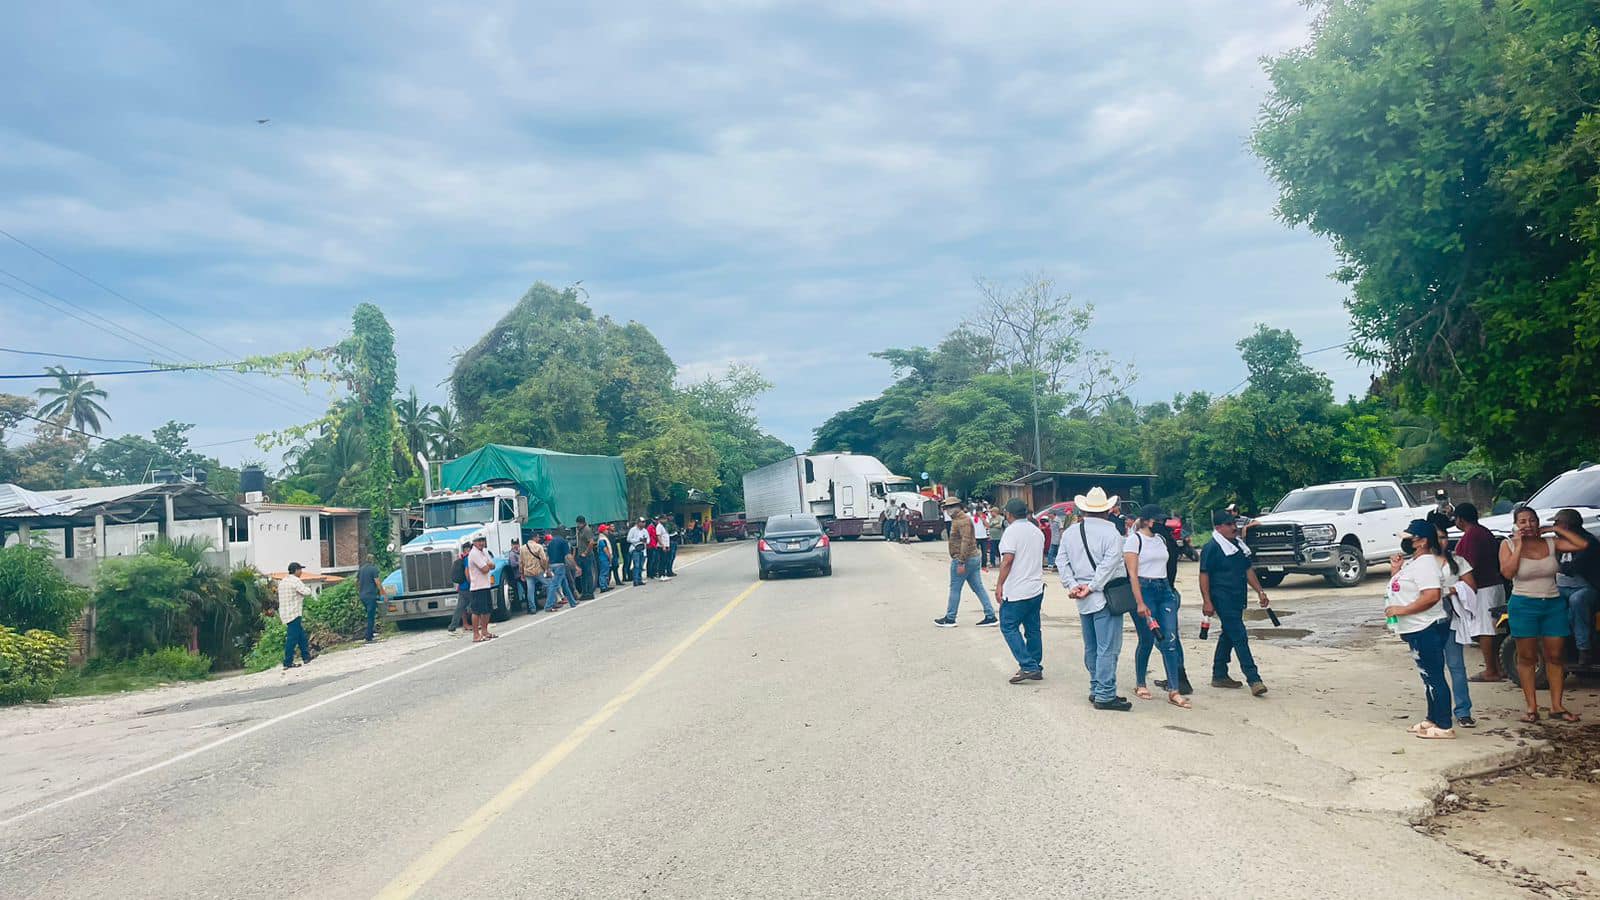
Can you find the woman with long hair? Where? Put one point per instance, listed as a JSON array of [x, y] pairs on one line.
[[1454, 571], [1416, 613], [1148, 554], [1539, 620]]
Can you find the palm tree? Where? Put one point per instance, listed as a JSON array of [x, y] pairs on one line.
[[444, 433], [414, 420], [73, 399]]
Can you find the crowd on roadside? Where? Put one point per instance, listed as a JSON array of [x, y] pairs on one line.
[[551, 569], [1440, 600]]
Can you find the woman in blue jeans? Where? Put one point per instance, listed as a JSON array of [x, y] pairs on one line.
[[1147, 555], [1416, 613]]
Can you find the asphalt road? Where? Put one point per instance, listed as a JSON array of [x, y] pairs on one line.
[[720, 737]]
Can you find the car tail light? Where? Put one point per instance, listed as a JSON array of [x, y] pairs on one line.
[[762, 545], [823, 542]]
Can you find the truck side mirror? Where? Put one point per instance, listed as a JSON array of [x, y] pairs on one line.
[[522, 508]]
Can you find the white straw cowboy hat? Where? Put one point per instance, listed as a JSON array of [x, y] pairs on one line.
[[1095, 501]]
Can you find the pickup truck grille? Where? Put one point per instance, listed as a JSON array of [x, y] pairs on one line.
[[1273, 537], [428, 571]]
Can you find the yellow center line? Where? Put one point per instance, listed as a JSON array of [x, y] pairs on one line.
[[440, 854]]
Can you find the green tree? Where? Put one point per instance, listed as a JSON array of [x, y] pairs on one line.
[[368, 359], [72, 399], [1447, 148], [34, 593]]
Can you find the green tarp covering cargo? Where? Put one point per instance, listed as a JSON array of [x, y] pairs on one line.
[[560, 487]]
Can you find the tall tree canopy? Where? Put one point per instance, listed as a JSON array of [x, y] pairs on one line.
[[1449, 150]]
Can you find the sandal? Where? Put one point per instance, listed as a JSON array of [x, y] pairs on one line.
[[1178, 700], [1565, 715], [1420, 727], [1142, 692], [1530, 717], [1435, 733]]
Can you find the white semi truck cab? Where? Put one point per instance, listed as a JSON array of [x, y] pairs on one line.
[[423, 586]]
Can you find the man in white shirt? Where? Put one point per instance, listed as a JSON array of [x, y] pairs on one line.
[[292, 593], [638, 542], [1090, 556], [980, 533], [480, 583], [1020, 591], [664, 547]]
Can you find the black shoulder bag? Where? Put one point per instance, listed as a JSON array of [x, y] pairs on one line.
[[1118, 591]]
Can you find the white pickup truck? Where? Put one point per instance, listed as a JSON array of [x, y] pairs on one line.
[[1333, 530]]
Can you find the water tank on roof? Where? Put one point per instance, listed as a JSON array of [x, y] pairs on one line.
[[195, 475], [165, 476], [252, 479]]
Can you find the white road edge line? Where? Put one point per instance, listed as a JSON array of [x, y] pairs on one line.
[[278, 720]]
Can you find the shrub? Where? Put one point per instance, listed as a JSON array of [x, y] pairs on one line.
[[175, 663], [30, 664], [268, 649], [140, 604], [333, 616], [229, 629], [34, 593]]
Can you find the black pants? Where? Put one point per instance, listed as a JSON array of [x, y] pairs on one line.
[[371, 603]]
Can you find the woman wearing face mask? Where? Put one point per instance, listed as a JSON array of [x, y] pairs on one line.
[[1148, 554], [1539, 620], [1415, 591]]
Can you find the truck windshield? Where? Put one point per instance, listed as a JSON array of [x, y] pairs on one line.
[[900, 487], [459, 512], [1331, 498], [1571, 489]]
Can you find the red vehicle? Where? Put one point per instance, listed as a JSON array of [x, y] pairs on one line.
[[730, 527]]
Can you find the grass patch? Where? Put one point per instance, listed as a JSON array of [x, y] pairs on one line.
[[101, 676]]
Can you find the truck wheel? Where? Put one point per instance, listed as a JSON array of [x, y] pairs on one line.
[[1351, 568], [1270, 579], [1508, 665]]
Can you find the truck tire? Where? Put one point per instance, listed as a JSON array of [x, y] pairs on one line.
[[1350, 569], [1270, 579], [1508, 665]]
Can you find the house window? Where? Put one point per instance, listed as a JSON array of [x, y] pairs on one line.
[[305, 528], [238, 529]]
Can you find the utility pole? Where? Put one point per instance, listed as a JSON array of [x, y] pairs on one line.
[[1033, 394]]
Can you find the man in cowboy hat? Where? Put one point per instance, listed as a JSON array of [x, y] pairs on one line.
[[1225, 568], [1020, 591], [1090, 556], [966, 566]]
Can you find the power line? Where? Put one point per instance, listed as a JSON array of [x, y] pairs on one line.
[[133, 337], [158, 370], [122, 441], [1307, 353], [104, 359]]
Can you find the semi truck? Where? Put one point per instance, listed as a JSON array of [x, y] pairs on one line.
[[499, 492], [846, 491]]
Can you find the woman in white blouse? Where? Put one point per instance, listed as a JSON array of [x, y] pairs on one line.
[[1147, 554], [1417, 614]]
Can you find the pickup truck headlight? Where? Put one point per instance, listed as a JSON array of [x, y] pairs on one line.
[[1318, 534]]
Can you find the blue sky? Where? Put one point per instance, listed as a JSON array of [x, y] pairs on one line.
[[791, 185]]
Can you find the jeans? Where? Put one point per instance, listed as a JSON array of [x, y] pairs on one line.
[[463, 601], [296, 637], [1163, 603], [371, 603], [1455, 661], [991, 551], [585, 576], [561, 585], [604, 570], [1581, 602], [973, 577], [671, 554], [534, 603], [1234, 640], [1427, 650], [1102, 644], [636, 563], [890, 530], [1019, 624], [653, 563]]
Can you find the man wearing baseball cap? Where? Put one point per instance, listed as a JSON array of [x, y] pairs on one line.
[[966, 566], [1225, 569], [292, 593], [638, 542]]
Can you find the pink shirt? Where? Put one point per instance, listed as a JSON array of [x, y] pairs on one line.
[[477, 561]]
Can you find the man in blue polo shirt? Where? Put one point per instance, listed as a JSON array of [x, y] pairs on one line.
[[1225, 570]]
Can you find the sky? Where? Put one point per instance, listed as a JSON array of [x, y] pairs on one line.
[[792, 185]]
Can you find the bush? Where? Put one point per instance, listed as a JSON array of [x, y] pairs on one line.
[[34, 593], [268, 649], [175, 663], [30, 664], [140, 604]]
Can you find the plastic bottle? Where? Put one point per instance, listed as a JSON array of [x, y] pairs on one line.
[[1205, 628], [1393, 624]]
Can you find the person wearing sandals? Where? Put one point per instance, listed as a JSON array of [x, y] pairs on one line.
[[1539, 619], [1459, 591], [1414, 603], [1146, 555]]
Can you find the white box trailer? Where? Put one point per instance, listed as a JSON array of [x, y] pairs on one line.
[[846, 491]]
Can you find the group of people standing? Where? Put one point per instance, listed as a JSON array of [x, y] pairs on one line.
[[1108, 574], [549, 571]]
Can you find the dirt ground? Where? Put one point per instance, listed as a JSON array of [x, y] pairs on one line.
[[1537, 824]]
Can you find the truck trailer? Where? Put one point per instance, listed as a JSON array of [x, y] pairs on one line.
[[846, 491]]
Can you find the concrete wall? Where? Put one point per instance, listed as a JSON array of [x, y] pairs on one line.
[[275, 540]]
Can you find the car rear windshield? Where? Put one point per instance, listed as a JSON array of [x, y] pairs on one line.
[[794, 526], [1571, 489], [1332, 498]]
